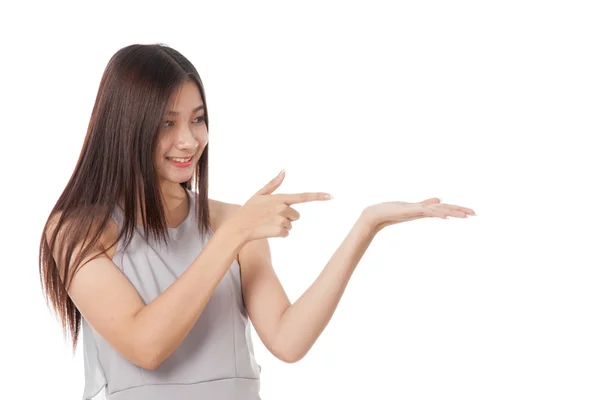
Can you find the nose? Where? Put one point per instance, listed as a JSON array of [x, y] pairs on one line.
[[186, 141], [187, 145]]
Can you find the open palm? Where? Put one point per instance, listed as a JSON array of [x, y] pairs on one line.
[[394, 212]]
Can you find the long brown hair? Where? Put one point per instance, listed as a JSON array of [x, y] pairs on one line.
[[117, 161]]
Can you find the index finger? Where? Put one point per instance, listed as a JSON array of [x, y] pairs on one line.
[[305, 197]]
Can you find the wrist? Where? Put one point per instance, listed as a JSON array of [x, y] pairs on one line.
[[368, 223], [235, 232]]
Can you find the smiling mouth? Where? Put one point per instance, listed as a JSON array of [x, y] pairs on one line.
[[180, 160]]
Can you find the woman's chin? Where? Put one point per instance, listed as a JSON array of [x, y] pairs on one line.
[[177, 177]]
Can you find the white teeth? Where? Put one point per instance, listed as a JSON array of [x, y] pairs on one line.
[[181, 160]]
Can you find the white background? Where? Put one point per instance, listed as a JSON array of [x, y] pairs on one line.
[[488, 105]]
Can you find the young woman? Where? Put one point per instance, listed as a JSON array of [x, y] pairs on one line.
[[159, 279]]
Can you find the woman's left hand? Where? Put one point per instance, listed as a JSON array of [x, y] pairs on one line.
[[393, 212]]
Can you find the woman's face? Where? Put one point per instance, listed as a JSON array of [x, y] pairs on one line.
[[183, 134]]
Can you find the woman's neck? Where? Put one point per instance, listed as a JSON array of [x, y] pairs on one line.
[[176, 204]]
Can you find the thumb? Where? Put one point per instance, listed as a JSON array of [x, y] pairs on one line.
[[433, 200], [274, 184]]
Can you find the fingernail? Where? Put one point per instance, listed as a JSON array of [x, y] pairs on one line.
[[281, 173], [328, 196]]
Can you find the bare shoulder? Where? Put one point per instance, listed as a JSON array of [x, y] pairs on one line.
[[220, 211], [108, 236]]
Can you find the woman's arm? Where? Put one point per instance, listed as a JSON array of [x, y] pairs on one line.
[[147, 334], [303, 322], [290, 330]]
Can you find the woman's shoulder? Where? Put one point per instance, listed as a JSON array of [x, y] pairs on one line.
[[220, 211], [107, 237]]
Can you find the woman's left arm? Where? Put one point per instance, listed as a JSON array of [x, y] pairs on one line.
[[290, 330], [303, 322]]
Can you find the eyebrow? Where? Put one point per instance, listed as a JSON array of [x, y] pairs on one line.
[[200, 107]]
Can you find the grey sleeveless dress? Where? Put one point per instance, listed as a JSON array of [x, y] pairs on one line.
[[216, 359]]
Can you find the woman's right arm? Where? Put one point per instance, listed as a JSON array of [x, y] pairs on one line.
[[147, 334]]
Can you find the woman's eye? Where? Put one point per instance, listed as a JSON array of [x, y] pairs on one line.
[[200, 119]]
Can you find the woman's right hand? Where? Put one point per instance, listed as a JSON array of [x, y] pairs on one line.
[[267, 215]]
